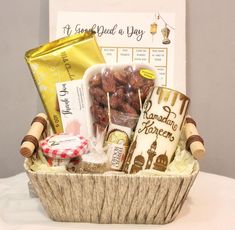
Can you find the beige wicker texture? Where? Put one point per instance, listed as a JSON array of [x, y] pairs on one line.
[[123, 199]]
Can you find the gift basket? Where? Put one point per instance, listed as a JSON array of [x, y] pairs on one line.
[[113, 146]]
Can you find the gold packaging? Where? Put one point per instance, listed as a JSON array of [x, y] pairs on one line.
[[117, 144], [58, 61]]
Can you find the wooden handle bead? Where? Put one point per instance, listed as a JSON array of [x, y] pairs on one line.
[[29, 143], [194, 141]]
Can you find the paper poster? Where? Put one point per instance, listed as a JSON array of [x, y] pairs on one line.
[[152, 35]]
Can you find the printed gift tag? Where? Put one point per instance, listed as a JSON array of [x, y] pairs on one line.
[[72, 107]]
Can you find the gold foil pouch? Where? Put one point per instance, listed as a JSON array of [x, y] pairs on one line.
[[58, 61], [117, 144]]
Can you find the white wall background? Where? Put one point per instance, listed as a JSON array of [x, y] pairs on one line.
[[210, 78]]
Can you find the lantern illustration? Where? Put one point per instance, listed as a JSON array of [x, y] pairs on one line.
[[165, 32], [153, 28]]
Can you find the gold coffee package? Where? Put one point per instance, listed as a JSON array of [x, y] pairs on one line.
[[62, 60]]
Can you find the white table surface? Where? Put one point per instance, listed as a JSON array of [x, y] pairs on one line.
[[210, 205]]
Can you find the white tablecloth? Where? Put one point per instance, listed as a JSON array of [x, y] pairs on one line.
[[210, 205]]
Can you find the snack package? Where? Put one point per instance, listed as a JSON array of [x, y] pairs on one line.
[[117, 144], [95, 161], [125, 85], [92, 162], [62, 60]]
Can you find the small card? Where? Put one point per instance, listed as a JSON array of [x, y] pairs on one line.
[[72, 107]]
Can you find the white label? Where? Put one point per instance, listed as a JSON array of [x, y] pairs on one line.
[[64, 142], [116, 154], [117, 151], [72, 107], [58, 162]]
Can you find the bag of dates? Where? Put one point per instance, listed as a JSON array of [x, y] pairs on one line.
[[122, 87]]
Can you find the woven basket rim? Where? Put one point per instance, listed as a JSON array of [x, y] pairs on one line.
[[28, 170]]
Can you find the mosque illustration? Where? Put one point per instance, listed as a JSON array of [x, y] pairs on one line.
[[160, 164]]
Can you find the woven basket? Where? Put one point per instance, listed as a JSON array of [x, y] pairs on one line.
[[111, 199]]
